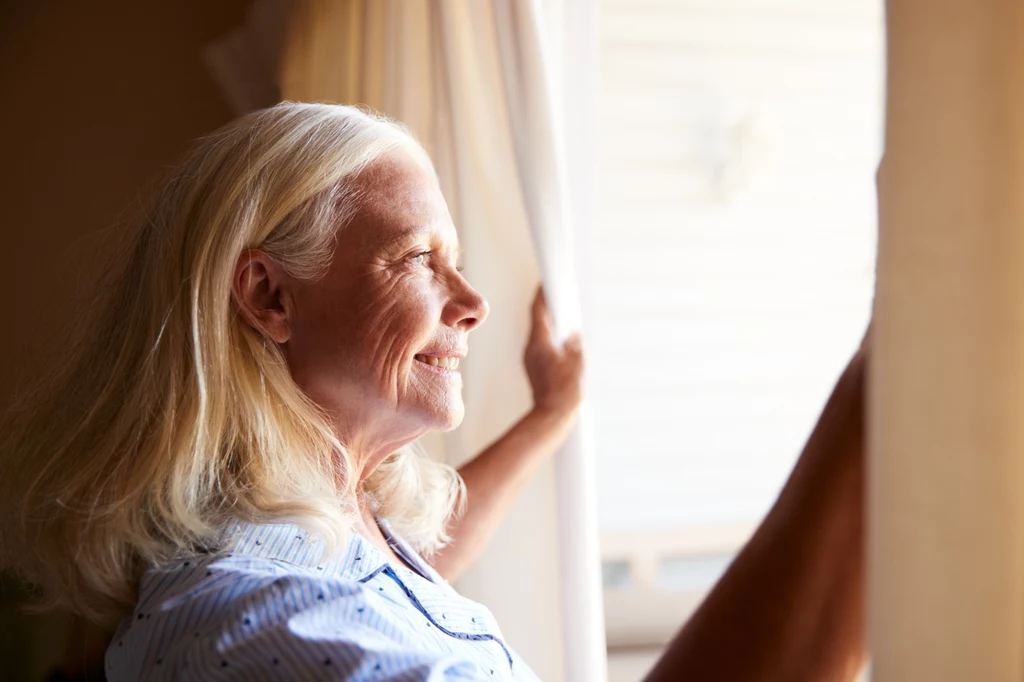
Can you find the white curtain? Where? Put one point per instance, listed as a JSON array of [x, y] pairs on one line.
[[548, 53], [500, 93], [946, 522], [506, 66]]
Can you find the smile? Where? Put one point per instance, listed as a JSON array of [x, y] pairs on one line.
[[449, 363]]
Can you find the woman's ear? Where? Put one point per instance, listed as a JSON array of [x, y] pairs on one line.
[[261, 289]]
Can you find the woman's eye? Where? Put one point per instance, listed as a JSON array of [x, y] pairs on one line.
[[420, 257]]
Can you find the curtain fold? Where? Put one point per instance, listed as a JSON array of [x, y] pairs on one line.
[[533, 44], [481, 85]]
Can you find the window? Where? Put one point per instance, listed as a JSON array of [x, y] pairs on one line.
[[732, 268]]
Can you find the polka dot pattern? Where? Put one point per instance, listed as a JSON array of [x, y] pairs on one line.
[[269, 605]]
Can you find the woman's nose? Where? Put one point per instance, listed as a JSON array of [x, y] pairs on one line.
[[467, 309]]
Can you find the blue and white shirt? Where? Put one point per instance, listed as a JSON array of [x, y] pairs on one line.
[[266, 608]]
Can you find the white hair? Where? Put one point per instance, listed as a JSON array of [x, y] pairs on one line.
[[170, 415]]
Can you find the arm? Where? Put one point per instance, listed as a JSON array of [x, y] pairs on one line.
[[496, 476], [791, 606]]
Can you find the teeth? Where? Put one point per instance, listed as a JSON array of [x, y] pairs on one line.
[[444, 363]]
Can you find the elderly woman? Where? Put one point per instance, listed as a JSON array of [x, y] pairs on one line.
[[225, 459]]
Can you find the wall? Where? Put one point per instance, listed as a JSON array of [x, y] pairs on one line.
[[97, 98]]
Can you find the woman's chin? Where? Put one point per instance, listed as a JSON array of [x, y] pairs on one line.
[[450, 418]]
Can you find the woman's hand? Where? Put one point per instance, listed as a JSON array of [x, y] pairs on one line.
[[555, 371], [495, 477]]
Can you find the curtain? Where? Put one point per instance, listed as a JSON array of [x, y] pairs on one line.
[[547, 52], [500, 95], [946, 529], [245, 61]]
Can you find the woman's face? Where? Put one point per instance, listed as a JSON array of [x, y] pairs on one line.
[[377, 341]]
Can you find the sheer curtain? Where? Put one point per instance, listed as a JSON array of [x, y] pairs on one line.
[[548, 51], [484, 86]]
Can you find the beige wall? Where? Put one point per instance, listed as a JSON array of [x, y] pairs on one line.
[[97, 97]]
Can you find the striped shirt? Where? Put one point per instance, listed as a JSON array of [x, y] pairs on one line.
[[267, 607]]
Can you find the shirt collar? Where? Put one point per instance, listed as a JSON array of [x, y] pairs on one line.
[[356, 558]]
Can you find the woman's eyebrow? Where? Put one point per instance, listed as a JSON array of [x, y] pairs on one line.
[[406, 234], [415, 232]]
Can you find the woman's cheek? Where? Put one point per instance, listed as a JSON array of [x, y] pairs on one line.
[[401, 318], [394, 344]]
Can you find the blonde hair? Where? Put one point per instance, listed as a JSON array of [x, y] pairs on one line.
[[170, 415]]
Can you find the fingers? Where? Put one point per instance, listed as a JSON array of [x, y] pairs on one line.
[[539, 308], [573, 351], [574, 344], [542, 331], [541, 328]]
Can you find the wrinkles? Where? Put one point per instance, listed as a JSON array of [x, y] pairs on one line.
[[391, 291], [390, 347]]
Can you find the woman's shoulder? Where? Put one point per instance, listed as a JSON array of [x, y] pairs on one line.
[[271, 593], [256, 555], [257, 578]]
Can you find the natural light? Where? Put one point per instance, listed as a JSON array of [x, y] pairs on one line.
[[732, 270]]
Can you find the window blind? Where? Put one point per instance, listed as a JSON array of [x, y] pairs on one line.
[[732, 262]]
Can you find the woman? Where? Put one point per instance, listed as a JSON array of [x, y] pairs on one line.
[[226, 461]]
